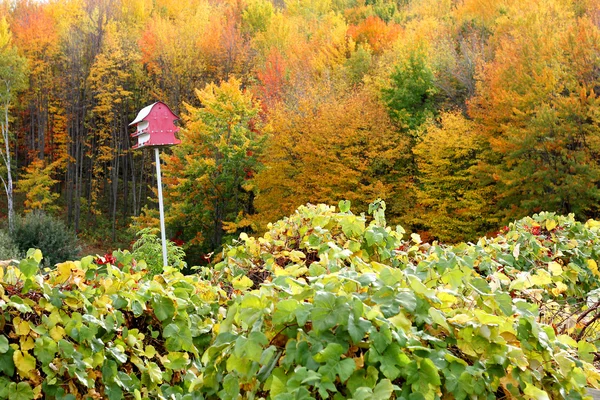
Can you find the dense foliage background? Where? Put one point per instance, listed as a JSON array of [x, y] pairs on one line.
[[461, 115]]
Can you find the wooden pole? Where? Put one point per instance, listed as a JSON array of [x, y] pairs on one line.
[[161, 208]]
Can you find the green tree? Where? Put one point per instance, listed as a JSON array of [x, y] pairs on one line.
[[209, 176], [13, 78], [411, 94]]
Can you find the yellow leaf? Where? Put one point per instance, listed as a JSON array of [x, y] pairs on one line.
[[400, 321], [37, 392], [550, 224], [460, 319], [24, 362], [487, 319], [57, 333], [73, 303], [416, 238], [533, 392], [26, 343], [447, 299], [593, 266], [64, 270], [297, 256], [150, 351], [517, 357], [242, 282], [560, 288], [592, 224], [22, 327], [541, 278], [555, 268]]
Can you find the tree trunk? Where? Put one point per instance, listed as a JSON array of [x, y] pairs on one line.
[[8, 184]]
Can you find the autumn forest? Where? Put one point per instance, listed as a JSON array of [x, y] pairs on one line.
[[460, 115]]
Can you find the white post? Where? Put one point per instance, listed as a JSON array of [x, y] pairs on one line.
[[161, 208]]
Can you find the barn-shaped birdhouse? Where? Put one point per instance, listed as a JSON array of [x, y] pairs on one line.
[[155, 126]]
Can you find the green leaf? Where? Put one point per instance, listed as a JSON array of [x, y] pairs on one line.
[[534, 393], [113, 392], [4, 387], [36, 254], [231, 388], [19, 304], [137, 308], [176, 361], [164, 308], [285, 311], [586, 351], [358, 328], [407, 300], [3, 344], [429, 372], [29, 267], [7, 365], [20, 391], [325, 312], [383, 390], [344, 206], [117, 354], [154, 372], [45, 349], [374, 235], [332, 352], [345, 368]]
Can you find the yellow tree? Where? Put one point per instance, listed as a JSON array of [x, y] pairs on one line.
[[113, 80], [170, 53], [452, 203], [36, 183]]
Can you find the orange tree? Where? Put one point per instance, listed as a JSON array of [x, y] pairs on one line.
[[537, 107], [344, 149]]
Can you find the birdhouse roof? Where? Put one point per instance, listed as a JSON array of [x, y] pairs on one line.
[[144, 112]]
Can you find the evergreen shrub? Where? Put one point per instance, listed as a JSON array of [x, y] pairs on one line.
[[8, 248], [53, 237]]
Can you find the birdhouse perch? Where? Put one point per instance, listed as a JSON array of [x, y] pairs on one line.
[[155, 126]]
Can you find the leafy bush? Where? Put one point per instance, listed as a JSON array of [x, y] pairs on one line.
[[41, 231], [149, 248], [349, 307], [326, 304], [8, 248]]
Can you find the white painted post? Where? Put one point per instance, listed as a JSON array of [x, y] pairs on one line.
[[161, 208]]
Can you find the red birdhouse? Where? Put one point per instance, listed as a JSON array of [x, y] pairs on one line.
[[155, 126]]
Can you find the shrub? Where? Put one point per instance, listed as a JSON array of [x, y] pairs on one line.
[[8, 248], [149, 248], [326, 304], [95, 330], [329, 303], [41, 231]]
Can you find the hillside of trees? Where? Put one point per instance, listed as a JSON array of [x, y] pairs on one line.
[[460, 115]]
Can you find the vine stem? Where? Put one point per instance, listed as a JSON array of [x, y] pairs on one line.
[[282, 329]]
